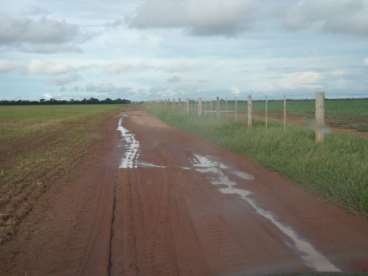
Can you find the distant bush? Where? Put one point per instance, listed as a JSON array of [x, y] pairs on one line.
[[60, 102]]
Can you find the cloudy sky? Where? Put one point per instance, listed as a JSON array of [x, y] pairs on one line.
[[152, 49]]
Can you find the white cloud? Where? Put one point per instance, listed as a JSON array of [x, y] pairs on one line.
[[8, 66], [299, 80], [50, 48], [336, 16], [44, 30], [174, 79], [67, 66], [218, 17], [64, 80], [144, 65], [366, 61], [48, 96], [36, 10], [235, 91], [100, 90], [338, 73], [201, 17], [43, 35], [53, 67]]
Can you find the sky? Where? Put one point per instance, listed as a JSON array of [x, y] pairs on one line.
[[159, 49]]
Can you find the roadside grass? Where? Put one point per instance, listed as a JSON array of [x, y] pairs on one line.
[[39, 144], [337, 169], [341, 113]]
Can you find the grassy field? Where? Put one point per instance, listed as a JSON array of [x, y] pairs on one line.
[[336, 169], [344, 113], [39, 144]]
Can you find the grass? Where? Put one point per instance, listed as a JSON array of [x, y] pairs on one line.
[[39, 144], [20, 121], [343, 113], [337, 169]]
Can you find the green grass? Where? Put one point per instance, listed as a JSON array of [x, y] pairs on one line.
[[343, 113], [337, 169], [39, 144]]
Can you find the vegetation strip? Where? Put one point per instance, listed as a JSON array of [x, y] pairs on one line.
[[336, 169]]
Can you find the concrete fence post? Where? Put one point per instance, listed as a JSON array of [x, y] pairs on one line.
[[250, 111], [285, 113], [320, 117], [236, 109], [218, 107], [266, 112], [200, 107]]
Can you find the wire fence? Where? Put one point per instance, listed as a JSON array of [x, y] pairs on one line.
[[250, 110]]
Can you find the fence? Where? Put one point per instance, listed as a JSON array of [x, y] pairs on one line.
[[233, 109]]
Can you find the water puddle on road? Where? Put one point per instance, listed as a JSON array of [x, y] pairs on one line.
[[142, 164], [131, 146], [216, 172]]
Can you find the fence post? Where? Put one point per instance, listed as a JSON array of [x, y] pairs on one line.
[[250, 111], [285, 113], [218, 107], [320, 117], [200, 107], [236, 109], [266, 112]]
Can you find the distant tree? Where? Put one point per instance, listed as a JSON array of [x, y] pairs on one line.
[[60, 102]]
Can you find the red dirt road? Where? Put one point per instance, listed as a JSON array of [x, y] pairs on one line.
[[180, 205]]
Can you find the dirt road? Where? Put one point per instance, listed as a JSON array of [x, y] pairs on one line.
[[153, 200]]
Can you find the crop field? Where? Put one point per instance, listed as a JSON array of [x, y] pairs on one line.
[[39, 144], [336, 169], [340, 113]]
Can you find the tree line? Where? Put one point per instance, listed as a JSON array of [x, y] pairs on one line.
[[60, 102]]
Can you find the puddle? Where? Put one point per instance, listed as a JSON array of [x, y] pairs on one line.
[[131, 147], [243, 175], [142, 164], [215, 171]]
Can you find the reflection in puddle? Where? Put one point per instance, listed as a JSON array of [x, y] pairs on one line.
[[142, 164], [243, 175], [132, 149], [131, 145], [215, 171]]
